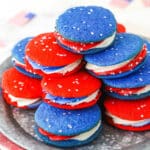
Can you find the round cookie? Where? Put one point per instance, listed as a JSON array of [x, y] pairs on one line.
[[134, 86], [45, 57], [86, 29], [125, 56], [18, 55], [65, 128], [20, 90], [79, 90], [128, 115]]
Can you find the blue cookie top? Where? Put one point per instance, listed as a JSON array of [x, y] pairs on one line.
[[86, 24], [18, 52], [64, 122], [137, 79], [125, 47]]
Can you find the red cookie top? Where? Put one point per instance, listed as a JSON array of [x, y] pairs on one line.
[[129, 110], [43, 49], [76, 85], [20, 85]]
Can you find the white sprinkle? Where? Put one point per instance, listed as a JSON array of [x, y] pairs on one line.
[[20, 50], [49, 126], [69, 90], [64, 113], [46, 120], [59, 86], [138, 108], [92, 33], [62, 55], [136, 63], [104, 17], [77, 90], [142, 116], [50, 49], [74, 27], [45, 83], [15, 86], [35, 42], [142, 106], [54, 42], [14, 81], [83, 22], [42, 43], [78, 29], [60, 131], [20, 82], [89, 13], [121, 37], [44, 37], [110, 25], [69, 126], [46, 46], [140, 79], [43, 49], [20, 88], [101, 34], [91, 10]]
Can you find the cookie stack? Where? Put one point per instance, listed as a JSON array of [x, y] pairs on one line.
[[128, 107], [124, 69], [69, 115], [66, 67], [68, 100], [21, 88]]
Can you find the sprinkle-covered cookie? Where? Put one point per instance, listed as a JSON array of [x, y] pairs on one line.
[[46, 57], [65, 128], [86, 29], [125, 56], [18, 55], [128, 115], [20, 90], [133, 86], [76, 91]]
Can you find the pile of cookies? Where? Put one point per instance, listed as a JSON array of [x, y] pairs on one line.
[[63, 72]]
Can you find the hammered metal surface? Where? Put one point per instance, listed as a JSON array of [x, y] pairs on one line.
[[18, 126]]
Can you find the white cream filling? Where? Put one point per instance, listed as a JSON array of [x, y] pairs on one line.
[[98, 69], [17, 62], [22, 101], [65, 69], [120, 121], [87, 99], [106, 42], [86, 135], [143, 90]]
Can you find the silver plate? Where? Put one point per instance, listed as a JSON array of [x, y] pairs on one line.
[[18, 125]]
